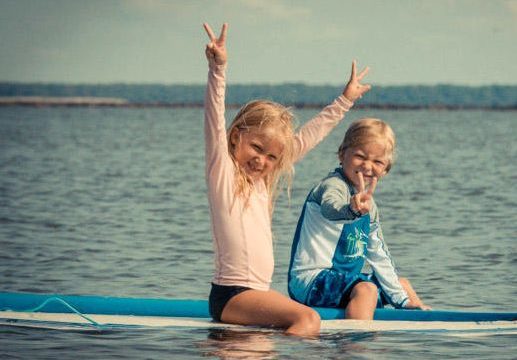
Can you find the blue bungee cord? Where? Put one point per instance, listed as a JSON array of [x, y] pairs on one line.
[[63, 302]]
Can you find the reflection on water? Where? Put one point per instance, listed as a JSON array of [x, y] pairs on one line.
[[263, 344], [348, 343], [240, 344]]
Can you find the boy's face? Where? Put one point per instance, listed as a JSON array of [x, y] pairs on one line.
[[369, 159]]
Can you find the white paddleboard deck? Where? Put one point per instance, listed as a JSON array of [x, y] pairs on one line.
[[67, 321]]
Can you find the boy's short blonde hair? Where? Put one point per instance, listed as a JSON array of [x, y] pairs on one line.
[[369, 130]]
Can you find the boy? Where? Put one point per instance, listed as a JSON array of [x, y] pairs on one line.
[[339, 257]]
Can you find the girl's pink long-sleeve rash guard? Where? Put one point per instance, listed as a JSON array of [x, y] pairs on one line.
[[241, 232]]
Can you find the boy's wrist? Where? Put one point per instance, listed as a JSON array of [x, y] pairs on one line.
[[354, 212], [404, 304]]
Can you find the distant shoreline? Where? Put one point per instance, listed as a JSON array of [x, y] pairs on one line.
[[38, 101]]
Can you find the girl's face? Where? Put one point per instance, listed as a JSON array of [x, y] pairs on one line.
[[369, 159], [257, 152]]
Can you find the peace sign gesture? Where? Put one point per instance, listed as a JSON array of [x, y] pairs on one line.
[[216, 49], [354, 89], [361, 202]]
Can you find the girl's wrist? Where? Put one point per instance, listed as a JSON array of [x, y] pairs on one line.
[[212, 65]]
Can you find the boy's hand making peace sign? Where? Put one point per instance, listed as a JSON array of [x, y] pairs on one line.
[[216, 49], [361, 202]]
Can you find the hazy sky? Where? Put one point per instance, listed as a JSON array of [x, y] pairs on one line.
[[468, 42]]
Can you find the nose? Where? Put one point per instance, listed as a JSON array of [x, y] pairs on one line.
[[259, 160], [367, 165]]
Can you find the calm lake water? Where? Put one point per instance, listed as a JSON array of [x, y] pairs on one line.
[[113, 202]]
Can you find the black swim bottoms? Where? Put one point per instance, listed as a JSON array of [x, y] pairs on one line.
[[219, 297]]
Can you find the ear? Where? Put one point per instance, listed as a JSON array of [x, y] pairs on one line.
[[386, 171], [234, 137], [341, 157]]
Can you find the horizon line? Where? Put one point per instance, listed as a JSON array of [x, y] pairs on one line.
[[4, 82]]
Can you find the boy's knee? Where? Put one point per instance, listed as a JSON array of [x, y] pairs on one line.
[[365, 289], [403, 281]]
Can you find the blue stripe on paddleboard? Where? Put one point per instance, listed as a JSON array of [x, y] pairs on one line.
[[105, 305], [89, 304]]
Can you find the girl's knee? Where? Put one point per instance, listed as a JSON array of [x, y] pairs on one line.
[[310, 320]]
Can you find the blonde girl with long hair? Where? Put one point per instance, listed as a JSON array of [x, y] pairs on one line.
[[245, 166]]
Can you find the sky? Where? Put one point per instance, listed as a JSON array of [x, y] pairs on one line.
[[404, 42]]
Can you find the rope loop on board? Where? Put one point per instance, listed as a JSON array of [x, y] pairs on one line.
[[63, 302]]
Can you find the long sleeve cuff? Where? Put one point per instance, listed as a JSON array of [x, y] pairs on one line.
[[217, 68], [403, 304], [354, 213], [344, 102]]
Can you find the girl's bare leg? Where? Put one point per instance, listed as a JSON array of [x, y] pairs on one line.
[[271, 308], [363, 300]]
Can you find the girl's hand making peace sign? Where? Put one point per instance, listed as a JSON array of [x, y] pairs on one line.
[[216, 49], [361, 202], [354, 89]]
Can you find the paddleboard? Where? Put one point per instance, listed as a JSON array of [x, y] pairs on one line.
[[97, 313]]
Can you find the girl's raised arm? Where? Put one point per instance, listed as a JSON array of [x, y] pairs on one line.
[[312, 132], [354, 89], [215, 132]]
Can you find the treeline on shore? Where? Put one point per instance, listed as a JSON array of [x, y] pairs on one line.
[[297, 95]]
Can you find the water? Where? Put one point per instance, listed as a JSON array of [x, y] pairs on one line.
[[113, 202]]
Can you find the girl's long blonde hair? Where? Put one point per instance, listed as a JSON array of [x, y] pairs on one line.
[[259, 115]]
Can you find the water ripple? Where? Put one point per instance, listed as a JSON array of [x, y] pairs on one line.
[[113, 202]]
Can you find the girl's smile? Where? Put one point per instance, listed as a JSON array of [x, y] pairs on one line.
[[256, 152]]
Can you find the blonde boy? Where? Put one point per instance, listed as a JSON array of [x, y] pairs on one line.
[[339, 257]]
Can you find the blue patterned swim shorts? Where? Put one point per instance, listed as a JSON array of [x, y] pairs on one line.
[[332, 288]]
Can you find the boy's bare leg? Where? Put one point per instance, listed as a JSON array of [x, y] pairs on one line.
[[271, 308], [363, 301]]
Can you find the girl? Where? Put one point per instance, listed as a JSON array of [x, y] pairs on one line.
[[244, 167]]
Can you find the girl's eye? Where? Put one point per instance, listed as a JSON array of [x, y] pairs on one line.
[[257, 147], [272, 158], [380, 163]]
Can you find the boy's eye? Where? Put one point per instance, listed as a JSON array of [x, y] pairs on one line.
[[272, 158], [379, 162]]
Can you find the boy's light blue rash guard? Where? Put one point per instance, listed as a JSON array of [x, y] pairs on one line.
[[330, 235]]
